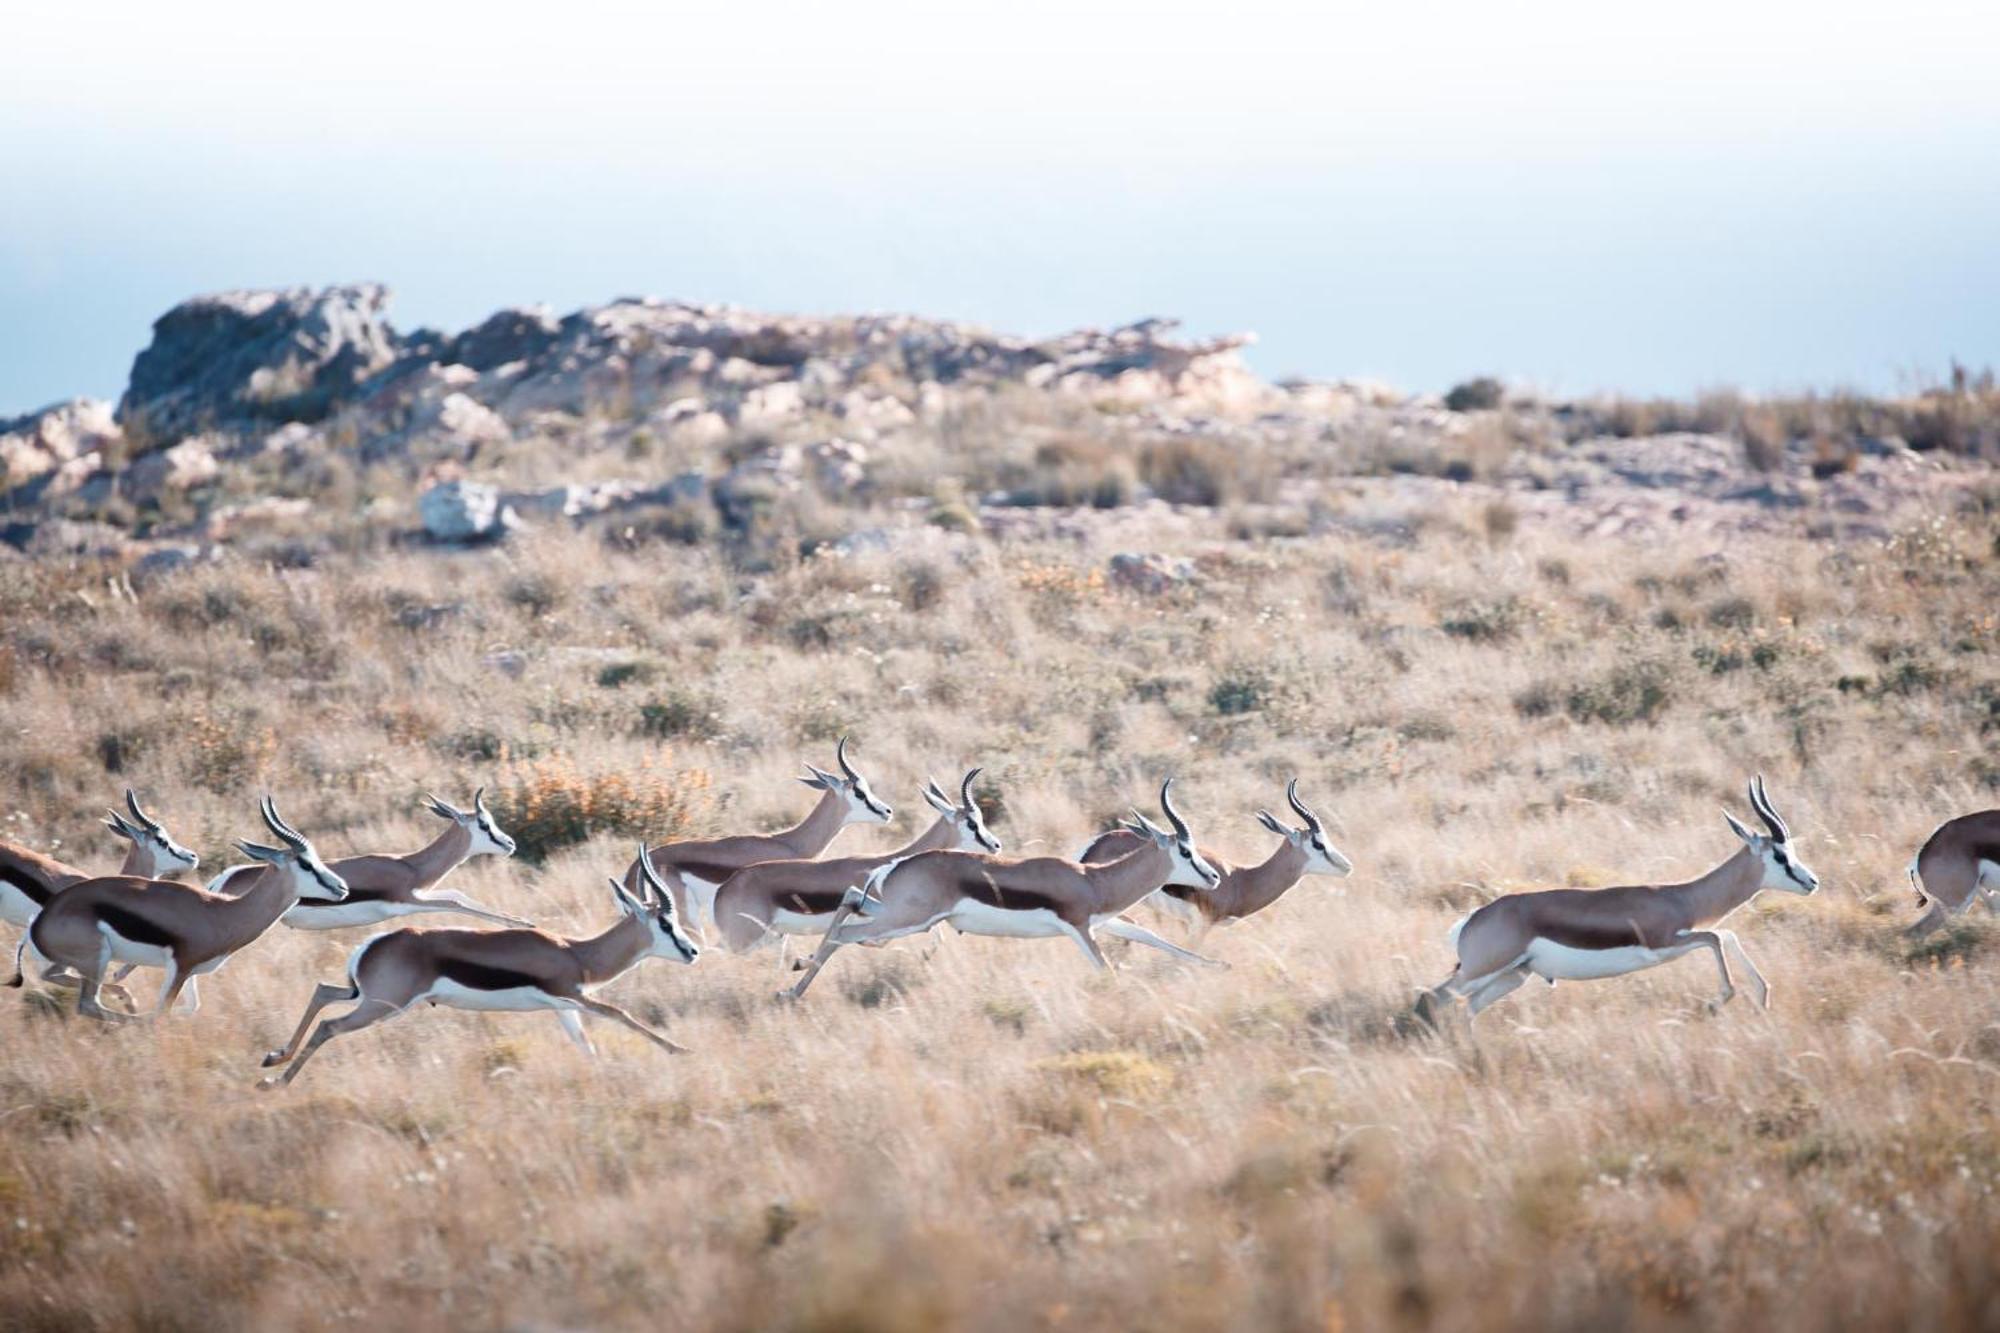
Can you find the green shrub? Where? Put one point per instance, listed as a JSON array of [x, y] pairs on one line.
[[1476, 395]]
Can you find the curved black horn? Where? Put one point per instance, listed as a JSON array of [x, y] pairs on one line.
[[280, 827], [1305, 811], [651, 878], [840, 753], [479, 800], [965, 792], [1167, 805], [132, 803], [1760, 800]]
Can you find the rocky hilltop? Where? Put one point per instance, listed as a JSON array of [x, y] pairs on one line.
[[295, 411]]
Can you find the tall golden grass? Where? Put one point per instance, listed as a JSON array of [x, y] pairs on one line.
[[983, 1133]]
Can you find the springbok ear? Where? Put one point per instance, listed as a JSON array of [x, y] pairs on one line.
[[626, 902], [257, 851], [120, 827], [937, 800], [1736, 827], [1270, 821], [821, 779], [439, 808]]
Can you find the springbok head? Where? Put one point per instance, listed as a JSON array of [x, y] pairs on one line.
[[487, 839], [296, 859], [1322, 857], [973, 835], [654, 909], [1783, 870], [165, 856], [1188, 868], [851, 787]]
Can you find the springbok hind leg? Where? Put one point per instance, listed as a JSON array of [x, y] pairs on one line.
[[322, 996], [363, 1015], [1123, 929], [1494, 989], [1760, 989]]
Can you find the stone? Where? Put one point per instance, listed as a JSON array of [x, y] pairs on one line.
[[1151, 573], [251, 356], [163, 562], [465, 511], [178, 467], [43, 441]]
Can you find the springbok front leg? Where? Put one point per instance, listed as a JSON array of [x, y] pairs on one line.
[[1494, 989], [617, 1015], [86, 996], [1123, 929], [365, 1014], [1712, 941], [1760, 989], [1088, 943], [457, 904], [850, 903], [322, 996], [572, 1023]]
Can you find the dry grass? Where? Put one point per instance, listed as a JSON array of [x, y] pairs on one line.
[[983, 1133]]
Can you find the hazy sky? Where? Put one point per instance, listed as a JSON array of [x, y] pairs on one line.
[[1582, 196]]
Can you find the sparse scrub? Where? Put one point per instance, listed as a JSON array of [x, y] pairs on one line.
[[551, 803]]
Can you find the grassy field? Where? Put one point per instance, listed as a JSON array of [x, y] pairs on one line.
[[984, 1133]]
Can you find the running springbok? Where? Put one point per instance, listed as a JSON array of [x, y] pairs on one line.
[[519, 970], [159, 923], [695, 869], [982, 894], [28, 879], [1956, 864], [383, 886], [1245, 890], [773, 899], [1584, 934]]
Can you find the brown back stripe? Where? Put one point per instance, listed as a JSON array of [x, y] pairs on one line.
[[1611, 935], [983, 890], [37, 892], [479, 976], [810, 902], [130, 925]]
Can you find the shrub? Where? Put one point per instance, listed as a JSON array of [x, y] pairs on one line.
[[548, 804], [1483, 622], [680, 713], [1206, 472], [1476, 395], [1240, 691], [1628, 693]]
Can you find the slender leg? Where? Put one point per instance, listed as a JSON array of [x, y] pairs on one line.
[[170, 989], [617, 1015], [1088, 943], [191, 997], [450, 900], [1928, 922], [1122, 929], [1760, 989], [1708, 939], [322, 996], [86, 996], [849, 903], [572, 1023], [1495, 988], [368, 1012]]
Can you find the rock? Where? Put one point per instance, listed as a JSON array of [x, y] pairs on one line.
[[162, 562], [1151, 573], [179, 467], [839, 467], [43, 441], [62, 536], [247, 356], [226, 522], [465, 511], [571, 501], [506, 336], [770, 406]]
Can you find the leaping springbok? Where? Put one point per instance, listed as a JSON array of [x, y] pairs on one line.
[[383, 886], [1584, 934], [186, 930], [497, 970], [694, 869], [773, 899], [28, 879], [982, 894], [1958, 863], [1245, 890]]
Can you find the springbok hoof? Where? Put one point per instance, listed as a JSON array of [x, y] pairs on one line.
[[272, 1058], [269, 1084]]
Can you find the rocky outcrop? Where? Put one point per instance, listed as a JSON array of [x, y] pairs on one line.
[[44, 441], [252, 356]]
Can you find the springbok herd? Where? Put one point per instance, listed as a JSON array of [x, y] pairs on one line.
[[756, 888]]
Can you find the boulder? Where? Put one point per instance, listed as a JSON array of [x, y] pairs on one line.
[[257, 356], [465, 511], [178, 467], [43, 441], [163, 562], [519, 334]]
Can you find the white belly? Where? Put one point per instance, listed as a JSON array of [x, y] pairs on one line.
[[131, 951], [16, 907], [976, 918], [800, 923], [1560, 962], [516, 999], [339, 916]]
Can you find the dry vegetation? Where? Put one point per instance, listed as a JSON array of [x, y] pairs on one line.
[[983, 1133]]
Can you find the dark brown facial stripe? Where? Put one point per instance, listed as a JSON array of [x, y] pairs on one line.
[[130, 925], [32, 888], [478, 976]]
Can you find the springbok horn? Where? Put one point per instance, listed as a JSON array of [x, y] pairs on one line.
[[651, 878], [479, 801], [280, 827], [1305, 811], [132, 801], [1762, 802], [1167, 804], [840, 753], [965, 790]]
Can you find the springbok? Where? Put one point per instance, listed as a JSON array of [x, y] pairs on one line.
[[694, 869], [1957, 863], [982, 894], [519, 970], [186, 930], [28, 879], [773, 899], [383, 886], [1245, 890], [1584, 934]]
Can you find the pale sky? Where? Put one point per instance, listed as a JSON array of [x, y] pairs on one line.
[[1576, 196]]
